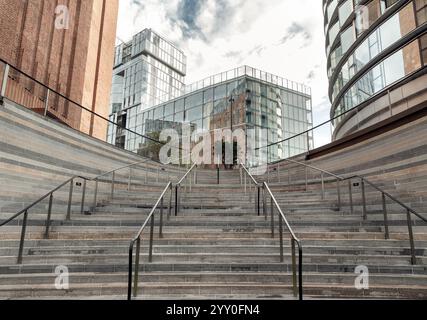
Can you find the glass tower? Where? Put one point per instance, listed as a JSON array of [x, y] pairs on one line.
[[147, 71], [377, 54], [244, 98]]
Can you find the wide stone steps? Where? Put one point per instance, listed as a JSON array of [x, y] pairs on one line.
[[210, 277], [215, 291], [181, 247], [202, 257]]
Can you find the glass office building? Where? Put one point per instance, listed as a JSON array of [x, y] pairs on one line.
[[244, 98], [147, 71], [377, 54]]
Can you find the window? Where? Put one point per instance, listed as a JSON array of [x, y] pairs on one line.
[[208, 95], [194, 100], [220, 92], [333, 32], [193, 114], [179, 105], [392, 69], [345, 10], [423, 41], [331, 8], [421, 9], [158, 113], [385, 4], [347, 39]]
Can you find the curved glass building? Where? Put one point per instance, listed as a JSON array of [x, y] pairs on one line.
[[376, 60]]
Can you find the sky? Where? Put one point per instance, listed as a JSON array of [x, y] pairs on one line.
[[283, 37]]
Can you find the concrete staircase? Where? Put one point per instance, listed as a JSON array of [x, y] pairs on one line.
[[217, 247]]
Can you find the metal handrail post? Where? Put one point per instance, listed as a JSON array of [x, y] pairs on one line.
[[264, 204], [176, 200], [95, 195], [294, 268], [386, 231], [411, 238], [323, 187], [21, 242], [161, 219], [70, 199], [136, 276], [49, 213], [281, 238], [112, 184], [350, 196], [300, 280], [258, 199], [130, 271], [272, 217], [306, 179], [150, 255], [365, 214], [130, 178], [82, 208], [170, 204], [339, 194]]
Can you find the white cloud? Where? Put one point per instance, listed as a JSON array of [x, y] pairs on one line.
[[237, 32]]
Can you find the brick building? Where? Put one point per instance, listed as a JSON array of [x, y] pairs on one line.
[[68, 45]]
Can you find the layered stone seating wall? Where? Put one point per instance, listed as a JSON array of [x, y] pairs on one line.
[[395, 161], [37, 154]]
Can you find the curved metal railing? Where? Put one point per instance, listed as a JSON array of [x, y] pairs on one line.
[[50, 195], [137, 240], [297, 287], [133, 272], [364, 182], [49, 212]]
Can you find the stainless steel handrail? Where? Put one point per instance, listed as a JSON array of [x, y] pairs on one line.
[[178, 187], [256, 185], [265, 188], [137, 240], [186, 174], [70, 197], [384, 195], [49, 213], [113, 177], [294, 240]]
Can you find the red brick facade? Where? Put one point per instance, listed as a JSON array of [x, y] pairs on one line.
[[77, 62]]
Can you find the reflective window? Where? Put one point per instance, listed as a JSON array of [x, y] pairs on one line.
[[193, 114], [208, 95], [423, 41], [421, 8], [333, 32], [388, 33], [347, 39], [345, 10], [331, 8], [169, 109], [194, 100], [220, 92], [395, 67], [179, 105], [385, 4]]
